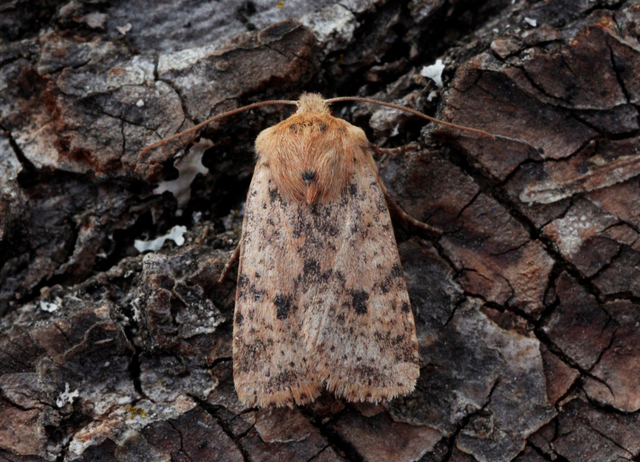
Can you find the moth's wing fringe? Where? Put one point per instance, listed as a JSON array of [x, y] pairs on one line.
[[287, 397], [357, 392]]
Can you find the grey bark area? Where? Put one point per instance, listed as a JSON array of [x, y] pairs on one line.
[[527, 307]]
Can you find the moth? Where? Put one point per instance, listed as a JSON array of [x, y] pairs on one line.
[[321, 302]]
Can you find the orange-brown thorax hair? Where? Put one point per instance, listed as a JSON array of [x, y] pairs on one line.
[[312, 154]]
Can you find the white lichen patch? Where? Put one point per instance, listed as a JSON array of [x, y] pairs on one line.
[[434, 72], [67, 396], [95, 20], [48, 306], [176, 234], [124, 29], [188, 167], [572, 231], [584, 220]]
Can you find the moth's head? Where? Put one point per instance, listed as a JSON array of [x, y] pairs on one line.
[[312, 102]]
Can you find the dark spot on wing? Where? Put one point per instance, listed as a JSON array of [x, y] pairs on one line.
[[405, 307], [312, 274], [239, 319], [283, 306], [353, 189], [322, 126], [311, 268], [359, 301], [243, 285], [396, 271]]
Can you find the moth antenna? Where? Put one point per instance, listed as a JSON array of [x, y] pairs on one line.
[[195, 128], [410, 111]]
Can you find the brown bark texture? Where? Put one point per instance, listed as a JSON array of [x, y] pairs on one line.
[[527, 307]]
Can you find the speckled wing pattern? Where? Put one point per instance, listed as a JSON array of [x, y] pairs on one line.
[[321, 299]]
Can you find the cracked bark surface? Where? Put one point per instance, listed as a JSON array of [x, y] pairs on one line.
[[526, 308]]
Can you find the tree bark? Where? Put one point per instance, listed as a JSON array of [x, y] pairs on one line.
[[526, 307]]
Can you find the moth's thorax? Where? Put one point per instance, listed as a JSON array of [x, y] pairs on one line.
[[312, 154]]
